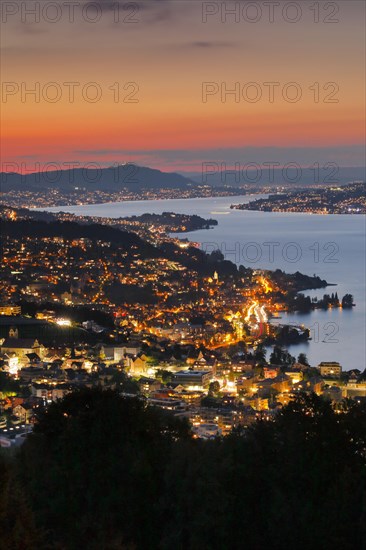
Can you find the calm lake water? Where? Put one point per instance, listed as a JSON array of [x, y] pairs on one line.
[[332, 247]]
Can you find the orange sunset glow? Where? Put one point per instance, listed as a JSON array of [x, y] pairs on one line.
[[147, 86]]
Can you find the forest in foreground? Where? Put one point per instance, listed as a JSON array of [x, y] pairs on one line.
[[102, 471]]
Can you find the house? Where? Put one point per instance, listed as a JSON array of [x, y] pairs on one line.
[[355, 389], [30, 373], [282, 383], [33, 358], [79, 363], [285, 398], [205, 363], [138, 366], [296, 375], [9, 403], [24, 412], [10, 310], [247, 383], [50, 392], [189, 396], [207, 431], [315, 384], [330, 368], [258, 403], [243, 366], [148, 385], [271, 372]]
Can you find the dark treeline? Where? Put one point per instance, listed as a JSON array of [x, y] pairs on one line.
[[73, 230], [297, 281], [192, 222], [300, 302], [106, 472], [127, 242]]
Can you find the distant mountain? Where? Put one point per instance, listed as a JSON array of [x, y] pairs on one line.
[[326, 175], [112, 179], [135, 178]]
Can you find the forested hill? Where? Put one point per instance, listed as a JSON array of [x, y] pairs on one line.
[[129, 176], [132, 244], [73, 230], [101, 472], [191, 257]]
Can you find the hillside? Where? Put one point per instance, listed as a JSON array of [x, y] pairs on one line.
[[127, 176]]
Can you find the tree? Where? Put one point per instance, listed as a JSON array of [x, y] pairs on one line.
[[302, 359], [17, 525], [347, 301], [282, 357], [214, 388], [8, 386], [93, 468], [216, 256], [164, 375], [152, 361], [276, 356], [260, 354], [124, 382]]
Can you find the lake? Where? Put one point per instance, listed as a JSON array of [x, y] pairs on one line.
[[331, 246]]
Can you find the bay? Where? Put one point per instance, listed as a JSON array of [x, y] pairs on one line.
[[331, 246]]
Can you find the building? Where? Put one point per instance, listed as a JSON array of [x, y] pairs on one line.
[[354, 389], [148, 385], [176, 406], [50, 392], [193, 378], [207, 431], [296, 375], [138, 366], [28, 374], [116, 354], [10, 310], [271, 372], [22, 346], [331, 368], [24, 412], [247, 383], [282, 383]]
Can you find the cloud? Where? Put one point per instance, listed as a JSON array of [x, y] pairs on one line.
[[31, 28], [211, 44]]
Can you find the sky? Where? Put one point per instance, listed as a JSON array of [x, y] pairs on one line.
[[173, 84]]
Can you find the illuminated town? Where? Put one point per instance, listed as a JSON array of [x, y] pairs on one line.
[[349, 199], [87, 305]]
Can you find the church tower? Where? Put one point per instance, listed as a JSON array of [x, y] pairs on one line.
[[13, 332]]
